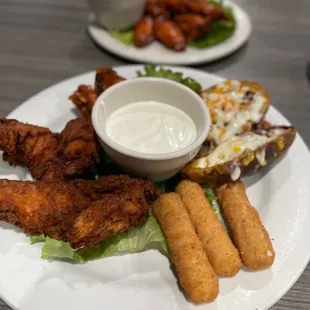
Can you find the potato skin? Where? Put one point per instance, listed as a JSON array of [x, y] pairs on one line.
[[253, 87], [248, 162]]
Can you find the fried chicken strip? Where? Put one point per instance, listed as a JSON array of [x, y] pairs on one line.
[[47, 155], [80, 212]]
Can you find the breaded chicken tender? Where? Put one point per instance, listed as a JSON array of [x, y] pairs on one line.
[[223, 255], [81, 212], [195, 272], [249, 233]]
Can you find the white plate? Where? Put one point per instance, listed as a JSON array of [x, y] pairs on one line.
[[145, 281], [158, 54]]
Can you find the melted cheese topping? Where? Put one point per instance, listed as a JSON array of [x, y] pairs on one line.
[[232, 106], [234, 147]]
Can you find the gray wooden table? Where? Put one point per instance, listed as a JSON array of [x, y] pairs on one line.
[[45, 41]]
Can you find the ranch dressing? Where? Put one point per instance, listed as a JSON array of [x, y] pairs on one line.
[[151, 127]]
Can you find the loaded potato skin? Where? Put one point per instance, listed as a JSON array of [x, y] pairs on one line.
[[241, 156], [235, 106]]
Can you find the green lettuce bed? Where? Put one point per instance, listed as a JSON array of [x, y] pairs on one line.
[[135, 240]]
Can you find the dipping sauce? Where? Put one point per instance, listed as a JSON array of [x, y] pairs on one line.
[[151, 127]]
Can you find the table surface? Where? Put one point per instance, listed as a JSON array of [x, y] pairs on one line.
[[45, 41]]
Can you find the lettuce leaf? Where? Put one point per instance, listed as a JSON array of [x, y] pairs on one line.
[[36, 239], [125, 37], [220, 31], [214, 204], [160, 72], [137, 239]]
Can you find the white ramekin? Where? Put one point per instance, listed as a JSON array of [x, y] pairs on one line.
[[117, 14], [157, 167]]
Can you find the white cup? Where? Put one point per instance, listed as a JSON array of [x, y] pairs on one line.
[[117, 14], [157, 167]]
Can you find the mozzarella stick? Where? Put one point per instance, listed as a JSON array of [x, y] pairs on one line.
[[195, 272], [222, 254], [248, 232]]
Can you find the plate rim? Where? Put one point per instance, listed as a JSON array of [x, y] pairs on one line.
[[91, 29], [134, 67]]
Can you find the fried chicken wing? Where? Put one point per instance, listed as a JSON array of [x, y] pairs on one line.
[[177, 6], [84, 98], [195, 6], [144, 32], [170, 35], [194, 26], [80, 212], [47, 155], [156, 9], [214, 12], [106, 77]]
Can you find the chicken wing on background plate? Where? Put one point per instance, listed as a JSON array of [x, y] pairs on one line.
[[80, 212], [194, 26], [68, 155]]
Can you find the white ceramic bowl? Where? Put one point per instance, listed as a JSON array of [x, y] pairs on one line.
[[117, 14], [157, 167]]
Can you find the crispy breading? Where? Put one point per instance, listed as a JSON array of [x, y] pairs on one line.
[[223, 255], [80, 212], [84, 98], [70, 154], [195, 272], [249, 233], [105, 78]]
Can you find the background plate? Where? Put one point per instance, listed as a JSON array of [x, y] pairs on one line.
[[158, 54], [145, 281]]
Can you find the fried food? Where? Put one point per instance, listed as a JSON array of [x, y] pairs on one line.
[[105, 78], [78, 152], [170, 35], [194, 26], [223, 255], [248, 232], [195, 273], [144, 32], [84, 98], [156, 9], [241, 156], [70, 154], [177, 6], [80, 212], [201, 7], [208, 9]]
